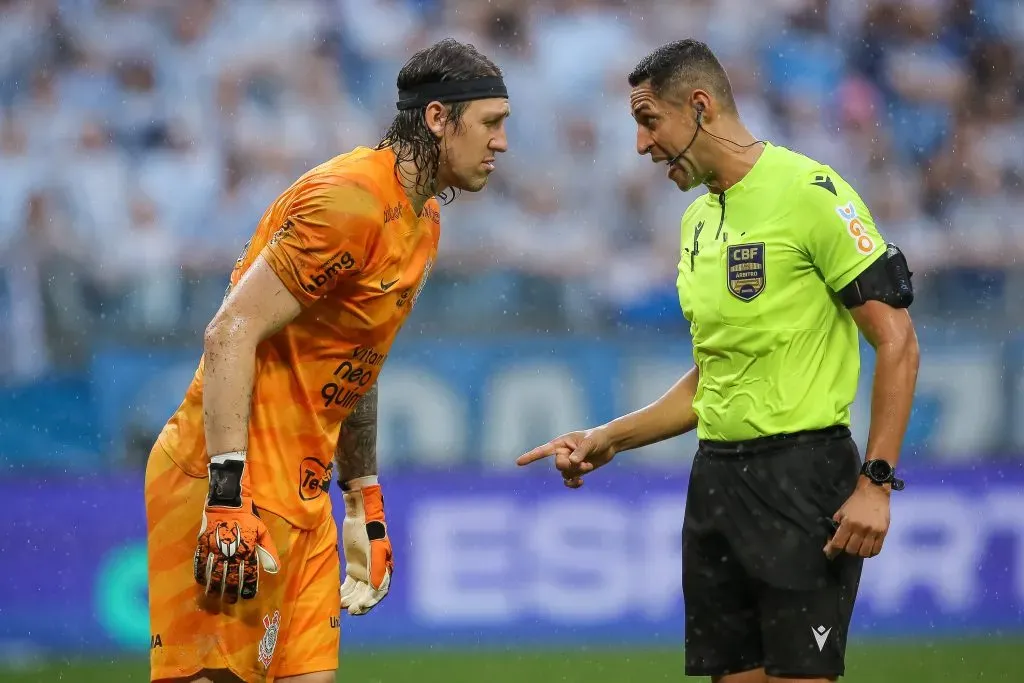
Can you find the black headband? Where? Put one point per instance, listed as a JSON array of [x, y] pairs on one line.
[[451, 91]]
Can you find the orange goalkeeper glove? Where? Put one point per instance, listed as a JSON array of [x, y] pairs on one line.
[[368, 559], [233, 541]]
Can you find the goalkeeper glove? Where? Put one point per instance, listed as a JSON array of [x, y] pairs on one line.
[[368, 560], [233, 543]]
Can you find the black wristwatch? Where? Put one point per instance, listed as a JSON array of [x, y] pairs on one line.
[[881, 472]]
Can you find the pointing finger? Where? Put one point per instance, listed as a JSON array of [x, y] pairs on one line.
[[538, 453]]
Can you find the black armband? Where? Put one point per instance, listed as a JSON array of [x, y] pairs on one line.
[[886, 280]]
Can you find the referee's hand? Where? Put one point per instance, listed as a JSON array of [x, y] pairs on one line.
[[863, 522], [576, 454]]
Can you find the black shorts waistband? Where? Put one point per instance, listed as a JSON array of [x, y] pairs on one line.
[[766, 444]]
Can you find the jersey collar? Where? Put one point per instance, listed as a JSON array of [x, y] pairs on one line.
[[759, 170]]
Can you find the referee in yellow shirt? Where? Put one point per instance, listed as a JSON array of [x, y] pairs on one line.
[[781, 267]]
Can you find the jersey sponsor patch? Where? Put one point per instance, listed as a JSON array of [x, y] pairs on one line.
[[329, 271], [746, 270], [855, 228], [314, 478], [281, 233]]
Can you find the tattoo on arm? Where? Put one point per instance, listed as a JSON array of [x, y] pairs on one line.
[[356, 453]]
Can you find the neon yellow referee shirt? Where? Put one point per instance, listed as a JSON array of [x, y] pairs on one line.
[[759, 267]]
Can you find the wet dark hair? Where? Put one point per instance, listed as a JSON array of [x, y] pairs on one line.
[[444, 61], [684, 64]]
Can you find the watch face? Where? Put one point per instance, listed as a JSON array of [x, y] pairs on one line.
[[879, 470]]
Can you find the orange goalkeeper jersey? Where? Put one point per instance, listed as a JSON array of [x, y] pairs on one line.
[[345, 241]]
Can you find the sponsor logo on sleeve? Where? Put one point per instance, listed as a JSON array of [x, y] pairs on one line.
[[282, 232], [855, 228], [330, 270]]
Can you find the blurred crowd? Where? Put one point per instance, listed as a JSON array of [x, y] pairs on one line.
[[141, 140]]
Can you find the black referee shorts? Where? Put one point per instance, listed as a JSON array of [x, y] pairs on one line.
[[758, 590]]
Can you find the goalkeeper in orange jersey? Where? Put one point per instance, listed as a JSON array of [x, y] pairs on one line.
[[244, 571]]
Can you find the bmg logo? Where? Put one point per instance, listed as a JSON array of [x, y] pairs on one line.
[[330, 271]]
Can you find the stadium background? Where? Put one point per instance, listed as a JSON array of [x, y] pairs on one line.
[[140, 141]]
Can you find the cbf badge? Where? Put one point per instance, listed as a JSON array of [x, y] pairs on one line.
[[746, 270]]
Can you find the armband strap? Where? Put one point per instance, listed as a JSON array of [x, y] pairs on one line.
[[226, 472], [888, 280]]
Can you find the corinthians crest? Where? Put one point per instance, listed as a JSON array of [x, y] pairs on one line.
[[269, 640]]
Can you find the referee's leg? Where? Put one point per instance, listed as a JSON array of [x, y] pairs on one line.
[[804, 632], [806, 601], [723, 626], [739, 630]]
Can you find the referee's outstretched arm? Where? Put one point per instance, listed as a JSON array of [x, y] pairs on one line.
[[578, 453], [864, 518]]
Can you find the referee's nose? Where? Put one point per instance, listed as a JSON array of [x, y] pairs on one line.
[[644, 142]]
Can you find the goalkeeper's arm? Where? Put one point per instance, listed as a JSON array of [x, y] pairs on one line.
[[367, 547], [669, 416], [233, 543], [356, 454], [257, 307]]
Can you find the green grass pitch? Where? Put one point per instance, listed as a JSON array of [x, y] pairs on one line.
[[943, 661]]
